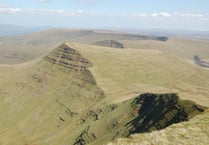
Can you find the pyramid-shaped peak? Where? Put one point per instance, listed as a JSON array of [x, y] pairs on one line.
[[65, 55], [66, 43]]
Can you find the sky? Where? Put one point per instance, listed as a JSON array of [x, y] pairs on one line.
[[135, 14]]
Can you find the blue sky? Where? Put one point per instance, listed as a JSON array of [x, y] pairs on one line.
[[140, 14]]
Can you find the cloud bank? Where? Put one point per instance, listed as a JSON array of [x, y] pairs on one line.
[[81, 18], [5, 8]]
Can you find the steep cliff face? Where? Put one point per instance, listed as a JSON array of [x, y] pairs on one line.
[[171, 120], [155, 112]]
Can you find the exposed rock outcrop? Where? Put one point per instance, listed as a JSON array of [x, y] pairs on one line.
[[109, 43]]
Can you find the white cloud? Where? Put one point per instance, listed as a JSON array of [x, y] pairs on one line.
[[5, 8], [171, 15], [161, 14], [189, 15], [60, 12], [10, 10]]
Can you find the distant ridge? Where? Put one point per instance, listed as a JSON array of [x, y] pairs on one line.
[[22, 48], [10, 30], [109, 43]]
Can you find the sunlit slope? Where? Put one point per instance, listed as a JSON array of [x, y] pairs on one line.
[[10, 136], [75, 94], [123, 73], [42, 99], [182, 47]]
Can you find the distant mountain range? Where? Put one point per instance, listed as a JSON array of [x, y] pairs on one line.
[[166, 32], [8, 29]]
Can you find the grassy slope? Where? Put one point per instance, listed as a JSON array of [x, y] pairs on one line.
[[123, 73], [28, 47], [41, 100], [154, 71], [150, 71], [182, 47]]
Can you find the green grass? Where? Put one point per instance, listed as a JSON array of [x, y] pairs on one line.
[[40, 98], [37, 96], [123, 73], [182, 47]]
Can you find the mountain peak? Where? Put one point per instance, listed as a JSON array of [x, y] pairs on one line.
[[65, 55]]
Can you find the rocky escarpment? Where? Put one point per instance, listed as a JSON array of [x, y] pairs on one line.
[[109, 43], [154, 112], [68, 57], [200, 62]]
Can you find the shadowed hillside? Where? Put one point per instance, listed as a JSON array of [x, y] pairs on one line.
[[159, 111], [192, 132]]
